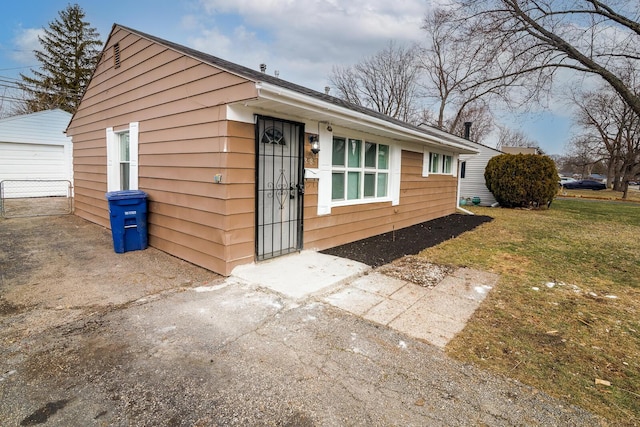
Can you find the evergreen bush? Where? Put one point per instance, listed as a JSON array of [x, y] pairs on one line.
[[522, 180]]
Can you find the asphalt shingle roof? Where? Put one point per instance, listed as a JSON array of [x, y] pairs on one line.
[[258, 76]]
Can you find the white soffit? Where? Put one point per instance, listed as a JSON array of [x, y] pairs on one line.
[[276, 99]]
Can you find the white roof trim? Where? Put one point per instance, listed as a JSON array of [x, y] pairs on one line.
[[431, 137]]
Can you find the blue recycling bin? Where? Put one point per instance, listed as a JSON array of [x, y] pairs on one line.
[[128, 216]]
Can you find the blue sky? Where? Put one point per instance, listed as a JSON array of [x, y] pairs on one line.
[[301, 39]]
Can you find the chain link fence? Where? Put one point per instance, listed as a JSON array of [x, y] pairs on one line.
[[24, 198]]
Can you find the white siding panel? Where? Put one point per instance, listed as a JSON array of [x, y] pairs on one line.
[[26, 162], [473, 184], [34, 147], [32, 161]]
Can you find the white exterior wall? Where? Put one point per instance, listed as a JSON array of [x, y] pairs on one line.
[[473, 184], [34, 147]]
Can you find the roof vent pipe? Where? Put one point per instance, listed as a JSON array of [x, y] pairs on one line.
[[263, 67], [467, 130]]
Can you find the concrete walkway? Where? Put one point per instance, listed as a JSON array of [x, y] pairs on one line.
[[434, 315]]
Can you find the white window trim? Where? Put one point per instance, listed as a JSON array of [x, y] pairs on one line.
[[325, 169], [426, 155], [362, 169], [113, 156]]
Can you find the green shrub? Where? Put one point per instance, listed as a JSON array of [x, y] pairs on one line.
[[522, 180]]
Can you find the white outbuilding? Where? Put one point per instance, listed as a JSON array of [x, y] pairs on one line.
[[36, 157], [472, 182]]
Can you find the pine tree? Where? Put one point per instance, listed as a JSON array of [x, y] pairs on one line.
[[70, 51]]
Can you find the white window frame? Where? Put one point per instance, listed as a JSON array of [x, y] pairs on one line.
[[113, 157], [362, 170], [442, 157]]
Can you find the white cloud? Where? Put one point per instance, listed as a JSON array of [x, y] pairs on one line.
[[26, 41], [304, 39]]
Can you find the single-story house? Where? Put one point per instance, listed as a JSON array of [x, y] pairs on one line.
[[520, 150], [241, 166], [472, 167], [33, 147]]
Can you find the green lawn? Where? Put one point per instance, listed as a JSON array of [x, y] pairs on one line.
[[567, 308]]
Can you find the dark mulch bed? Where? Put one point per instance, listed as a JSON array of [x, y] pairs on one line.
[[384, 248]]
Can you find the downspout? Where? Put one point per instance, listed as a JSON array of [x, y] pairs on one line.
[[467, 136]]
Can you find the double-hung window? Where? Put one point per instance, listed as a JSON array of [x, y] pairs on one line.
[[360, 170], [122, 158]]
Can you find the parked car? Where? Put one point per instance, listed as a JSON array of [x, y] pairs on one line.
[[565, 179], [584, 184]]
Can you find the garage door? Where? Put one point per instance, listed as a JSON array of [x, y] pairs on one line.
[[32, 162]]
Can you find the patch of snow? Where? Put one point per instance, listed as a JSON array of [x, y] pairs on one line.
[[593, 294], [309, 318], [535, 288], [166, 329], [550, 284], [482, 289], [611, 296], [210, 288], [312, 305], [402, 344], [275, 304]]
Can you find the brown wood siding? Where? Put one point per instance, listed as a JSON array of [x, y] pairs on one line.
[[184, 141], [421, 199]]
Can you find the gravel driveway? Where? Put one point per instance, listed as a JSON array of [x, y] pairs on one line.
[[90, 337]]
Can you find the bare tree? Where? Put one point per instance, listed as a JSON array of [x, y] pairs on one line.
[[385, 82], [587, 36], [613, 130], [480, 117], [585, 156], [514, 138], [461, 74]]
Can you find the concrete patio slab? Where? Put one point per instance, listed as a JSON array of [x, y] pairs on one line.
[[354, 300], [410, 293], [386, 311], [421, 318], [378, 283], [433, 314], [302, 274]]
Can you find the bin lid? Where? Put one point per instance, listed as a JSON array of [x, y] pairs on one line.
[[126, 194]]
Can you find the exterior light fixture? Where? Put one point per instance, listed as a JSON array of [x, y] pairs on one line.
[[315, 144]]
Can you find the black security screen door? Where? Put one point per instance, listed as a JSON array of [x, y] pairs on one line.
[[280, 187]]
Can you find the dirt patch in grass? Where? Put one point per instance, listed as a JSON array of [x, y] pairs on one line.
[[417, 270]]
